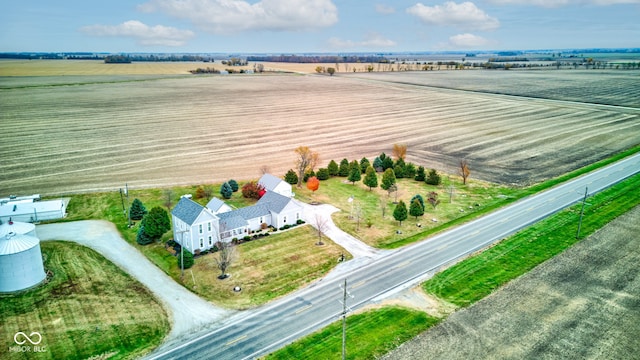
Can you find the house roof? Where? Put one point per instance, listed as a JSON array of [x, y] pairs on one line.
[[187, 210], [274, 201], [215, 204], [269, 181], [230, 220]]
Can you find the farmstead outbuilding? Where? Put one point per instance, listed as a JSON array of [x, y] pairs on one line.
[[21, 265], [199, 228], [32, 209]]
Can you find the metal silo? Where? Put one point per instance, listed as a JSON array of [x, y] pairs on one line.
[[17, 227], [20, 262]]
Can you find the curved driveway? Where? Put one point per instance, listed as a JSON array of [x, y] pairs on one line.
[[188, 312]]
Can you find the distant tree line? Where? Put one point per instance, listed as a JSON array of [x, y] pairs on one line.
[[318, 59]]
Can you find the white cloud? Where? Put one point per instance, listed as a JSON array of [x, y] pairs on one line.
[[372, 40], [558, 3], [158, 35], [465, 15], [229, 16], [384, 9], [468, 41]]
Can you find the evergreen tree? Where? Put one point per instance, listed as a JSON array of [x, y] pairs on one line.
[[156, 223], [387, 163], [226, 191], [370, 178], [433, 178], [399, 171], [420, 175], [308, 175], [234, 185], [323, 174], [291, 177], [400, 212], [137, 210], [416, 209], [388, 179], [142, 238], [377, 164], [420, 200], [409, 170], [343, 170], [364, 164], [333, 168], [188, 259], [354, 172]]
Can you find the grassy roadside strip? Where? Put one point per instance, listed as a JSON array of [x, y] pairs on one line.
[[473, 279], [369, 335], [527, 192]]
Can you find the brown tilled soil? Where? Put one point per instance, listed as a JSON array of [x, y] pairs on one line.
[[582, 304], [93, 135]]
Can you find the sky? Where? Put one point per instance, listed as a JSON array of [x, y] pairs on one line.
[[308, 26]]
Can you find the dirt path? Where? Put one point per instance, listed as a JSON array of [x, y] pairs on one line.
[[187, 311], [584, 303]]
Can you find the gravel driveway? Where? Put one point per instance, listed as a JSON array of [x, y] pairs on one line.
[[188, 312]]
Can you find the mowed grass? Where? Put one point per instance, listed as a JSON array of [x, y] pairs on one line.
[[90, 307], [476, 277], [265, 269], [369, 335], [467, 200]]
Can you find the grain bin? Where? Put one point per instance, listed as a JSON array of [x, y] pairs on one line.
[[20, 262], [17, 227]]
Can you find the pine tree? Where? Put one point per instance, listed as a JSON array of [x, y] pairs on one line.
[[377, 164], [388, 179], [234, 185], [387, 163], [156, 223], [333, 168], [370, 178], [433, 178], [291, 177], [416, 209], [142, 238], [323, 174], [137, 210], [188, 259], [400, 212], [364, 164], [420, 174], [226, 191], [399, 171], [343, 170], [409, 170], [419, 198], [354, 172]]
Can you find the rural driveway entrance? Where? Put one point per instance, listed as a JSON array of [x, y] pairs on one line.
[[188, 312]]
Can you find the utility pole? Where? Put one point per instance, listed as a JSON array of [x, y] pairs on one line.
[[345, 293], [584, 201], [181, 232]]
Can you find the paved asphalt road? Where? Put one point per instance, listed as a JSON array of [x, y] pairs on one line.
[[276, 324]]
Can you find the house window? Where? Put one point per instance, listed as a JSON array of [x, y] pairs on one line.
[[201, 243], [284, 218], [261, 221], [297, 216], [209, 226], [234, 232], [200, 228], [210, 241]]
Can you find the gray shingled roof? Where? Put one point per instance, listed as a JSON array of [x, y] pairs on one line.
[[187, 210], [269, 181], [230, 220], [274, 201], [215, 204]]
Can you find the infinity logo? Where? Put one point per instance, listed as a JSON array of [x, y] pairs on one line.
[[30, 338]]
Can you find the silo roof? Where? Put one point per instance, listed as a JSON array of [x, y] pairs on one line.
[[15, 227], [13, 243]]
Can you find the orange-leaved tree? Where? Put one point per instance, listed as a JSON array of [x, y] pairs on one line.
[[399, 151], [313, 183]]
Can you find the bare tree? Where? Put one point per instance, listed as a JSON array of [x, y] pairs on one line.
[[225, 256], [306, 160], [322, 226], [464, 171], [357, 211], [451, 190], [264, 169], [168, 199], [383, 207]]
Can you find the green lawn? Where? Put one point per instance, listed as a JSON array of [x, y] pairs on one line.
[[471, 280], [369, 335], [89, 307]]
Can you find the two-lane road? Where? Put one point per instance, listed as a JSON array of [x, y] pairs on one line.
[[305, 311]]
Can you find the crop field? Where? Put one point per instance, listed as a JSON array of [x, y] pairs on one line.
[[82, 134], [582, 304]]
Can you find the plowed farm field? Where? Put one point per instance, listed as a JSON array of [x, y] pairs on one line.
[[81, 134]]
